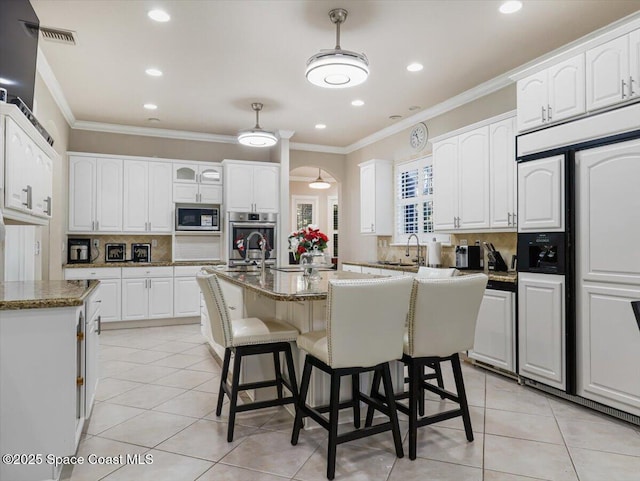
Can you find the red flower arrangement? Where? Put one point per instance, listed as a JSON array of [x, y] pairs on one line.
[[306, 239]]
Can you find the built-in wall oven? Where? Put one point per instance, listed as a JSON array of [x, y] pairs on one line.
[[241, 225]]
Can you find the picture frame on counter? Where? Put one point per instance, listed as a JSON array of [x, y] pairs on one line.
[[115, 252], [141, 252]]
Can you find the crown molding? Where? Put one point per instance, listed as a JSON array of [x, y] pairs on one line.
[[153, 132], [327, 149], [50, 80]]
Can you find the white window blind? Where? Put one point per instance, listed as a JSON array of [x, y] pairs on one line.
[[414, 201]]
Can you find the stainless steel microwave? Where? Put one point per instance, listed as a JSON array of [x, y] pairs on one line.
[[197, 217]]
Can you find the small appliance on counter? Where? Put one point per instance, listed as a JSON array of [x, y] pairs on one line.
[[141, 252], [78, 251], [468, 257], [496, 262], [115, 252]]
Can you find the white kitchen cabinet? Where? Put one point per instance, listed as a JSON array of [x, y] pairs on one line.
[[92, 347], [197, 182], [42, 408], [110, 288], [95, 194], [147, 197], [609, 79], [376, 197], [503, 181], [29, 172], [351, 268], [541, 195], [541, 328], [551, 95], [21, 254], [186, 292], [495, 330], [251, 186], [461, 182], [147, 293]]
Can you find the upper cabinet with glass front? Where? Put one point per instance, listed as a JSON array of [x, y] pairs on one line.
[[197, 182]]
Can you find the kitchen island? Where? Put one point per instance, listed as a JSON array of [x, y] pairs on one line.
[[285, 294], [48, 371]]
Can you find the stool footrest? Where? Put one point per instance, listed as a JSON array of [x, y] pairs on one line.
[[264, 404]]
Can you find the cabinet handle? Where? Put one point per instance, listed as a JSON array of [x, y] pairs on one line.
[[631, 92], [622, 86], [508, 218], [93, 225], [99, 325], [97, 225], [549, 113], [514, 219], [543, 118], [48, 202], [27, 191]]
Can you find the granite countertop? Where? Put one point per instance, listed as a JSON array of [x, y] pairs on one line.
[[94, 265], [511, 277], [287, 286], [16, 295]]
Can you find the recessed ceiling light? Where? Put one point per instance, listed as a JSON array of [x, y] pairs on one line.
[[6, 81], [414, 107], [415, 67], [321, 126], [159, 15], [510, 6], [395, 117], [357, 103], [153, 72], [153, 120], [150, 106]]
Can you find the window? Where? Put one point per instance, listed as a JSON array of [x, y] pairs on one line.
[[414, 201], [304, 211]]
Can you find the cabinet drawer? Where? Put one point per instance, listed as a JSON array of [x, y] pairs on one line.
[[88, 273], [135, 272], [186, 271]]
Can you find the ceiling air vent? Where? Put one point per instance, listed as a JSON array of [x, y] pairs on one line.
[[56, 35]]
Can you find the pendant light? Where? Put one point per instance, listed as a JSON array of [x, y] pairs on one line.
[[257, 137], [337, 68], [319, 183]]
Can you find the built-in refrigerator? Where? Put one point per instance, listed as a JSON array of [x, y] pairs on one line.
[[579, 208]]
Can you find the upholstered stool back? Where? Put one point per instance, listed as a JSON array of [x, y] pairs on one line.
[[217, 308], [436, 273], [366, 320], [443, 313]]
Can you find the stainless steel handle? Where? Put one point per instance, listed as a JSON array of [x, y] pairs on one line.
[[508, 218], [97, 225], [622, 85], [93, 225], [631, 92], [48, 202], [549, 113], [99, 325], [543, 117], [514, 219], [27, 204]]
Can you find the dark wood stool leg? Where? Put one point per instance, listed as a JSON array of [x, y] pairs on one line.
[[355, 395], [292, 375], [334, 407], [234, 394], [415, 391], [223, 379], [457, 375], [375, 389], [304, 387], [276, 367], [422, 393], [393, 413]]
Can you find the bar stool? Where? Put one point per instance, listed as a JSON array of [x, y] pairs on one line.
[[365, 328], [247, 337], [432, 273], [442, 321]]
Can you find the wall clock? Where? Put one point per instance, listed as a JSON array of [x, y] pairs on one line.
[[419, 136]]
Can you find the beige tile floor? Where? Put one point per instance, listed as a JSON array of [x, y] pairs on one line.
[[157, 396]]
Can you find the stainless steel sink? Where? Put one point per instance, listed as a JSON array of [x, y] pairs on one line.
[[399, 264]]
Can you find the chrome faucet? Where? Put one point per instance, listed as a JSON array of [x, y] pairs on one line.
[[263, 250], [417, 245]]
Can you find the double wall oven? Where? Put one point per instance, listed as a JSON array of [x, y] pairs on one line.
[[241, 225]]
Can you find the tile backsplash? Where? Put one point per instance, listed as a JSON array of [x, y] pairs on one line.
[[159, 253], [504, 242]]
